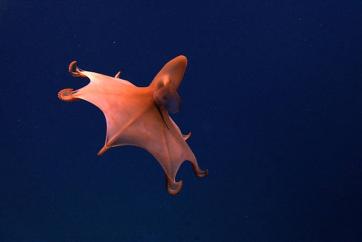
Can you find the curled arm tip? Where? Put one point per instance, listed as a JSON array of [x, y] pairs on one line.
[[67, 95], [74, 70], [173, 187]]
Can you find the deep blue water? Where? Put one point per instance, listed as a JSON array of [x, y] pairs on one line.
[[272, 95]]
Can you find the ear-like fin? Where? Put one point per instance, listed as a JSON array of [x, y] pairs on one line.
[[166, 83], [173, 71]]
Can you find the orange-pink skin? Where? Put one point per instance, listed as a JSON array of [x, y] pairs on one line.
[[137, 115]]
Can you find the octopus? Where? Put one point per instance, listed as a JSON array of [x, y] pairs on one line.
[[140, 116]]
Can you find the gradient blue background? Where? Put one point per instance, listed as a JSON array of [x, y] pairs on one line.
[[272, 95]]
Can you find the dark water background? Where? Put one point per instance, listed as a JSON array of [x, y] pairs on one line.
[[272, 95]]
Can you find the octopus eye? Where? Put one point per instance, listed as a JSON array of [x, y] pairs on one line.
[[160, 84]]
